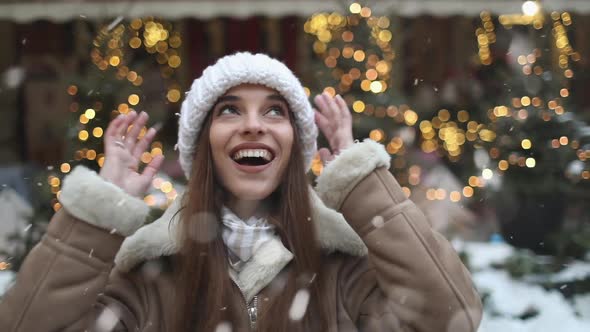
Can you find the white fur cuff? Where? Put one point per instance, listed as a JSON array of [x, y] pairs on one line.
[[352, 165], [89, 197]]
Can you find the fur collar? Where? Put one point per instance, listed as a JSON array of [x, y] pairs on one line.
[[156, 239]]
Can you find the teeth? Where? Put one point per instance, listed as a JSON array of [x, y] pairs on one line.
[[260, 153]]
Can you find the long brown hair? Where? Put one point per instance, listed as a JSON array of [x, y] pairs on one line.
[[204, 290]]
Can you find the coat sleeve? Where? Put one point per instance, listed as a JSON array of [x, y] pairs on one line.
[[412, 279], [66, 282]]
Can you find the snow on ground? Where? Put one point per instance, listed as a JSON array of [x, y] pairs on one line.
[[6, 278], [508, 298]]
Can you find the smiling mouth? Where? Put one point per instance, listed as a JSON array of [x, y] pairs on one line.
[[253, 157]]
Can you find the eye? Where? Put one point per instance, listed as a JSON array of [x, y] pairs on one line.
[[276, 111], [227, 109]]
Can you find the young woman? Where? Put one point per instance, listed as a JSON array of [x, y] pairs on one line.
[[250, 246]]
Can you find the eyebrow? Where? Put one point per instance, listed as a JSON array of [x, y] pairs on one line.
[[277, 98], [227, 98]]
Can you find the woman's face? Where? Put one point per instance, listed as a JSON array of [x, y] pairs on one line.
[[251, 139]]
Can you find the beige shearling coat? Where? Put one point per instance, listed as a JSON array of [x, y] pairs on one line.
[[98, 267]]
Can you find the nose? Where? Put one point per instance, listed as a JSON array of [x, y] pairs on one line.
[[253, 124]]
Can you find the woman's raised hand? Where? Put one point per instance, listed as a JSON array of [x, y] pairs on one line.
[[123, 150], [334, 120]]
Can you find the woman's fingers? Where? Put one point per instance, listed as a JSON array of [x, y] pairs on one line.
[[122, 129], [334, 110], [112, 129], [133, 133], [323, 106], [343, 108], [323, 123], [152, 168], [143, 143]]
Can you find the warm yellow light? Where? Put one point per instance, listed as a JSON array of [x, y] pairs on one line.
[[525, 101], [97, 132], [133, 99], [463, 116], [382, 67], [348, 52], [135, 42], [146, 157], [440, 194], [166, 187], [444, 115], [123, 108], [407, 191], [410, 117], [563, 140], [530, 162], [501, 111], [365, 12], [325, 36], [347, 36], [530, 8], [156, 151], [564, 93], [330, 91], [54, 181], [131, 76], [366, 85], [90, 114], [372, 74], [467, 191], [455, 196], [385, 35], [83, 119], [150, 200], [358, 106], [526, 144], [65, 168], [503, 165], [173, 95], [114, 61], [83, 135], [175, 41], [72, 90], [174, 61], [359, 55], [383, 22], [376, 87], [377, 135], [355, 8], [91, 155]]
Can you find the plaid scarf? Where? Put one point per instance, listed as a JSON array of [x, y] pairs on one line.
[[243, 238]]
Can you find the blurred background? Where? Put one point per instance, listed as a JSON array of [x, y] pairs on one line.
[[482, 104]]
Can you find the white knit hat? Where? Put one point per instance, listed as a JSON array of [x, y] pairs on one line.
[[233, 70]]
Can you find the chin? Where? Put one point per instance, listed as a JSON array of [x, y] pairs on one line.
[[248, 194]]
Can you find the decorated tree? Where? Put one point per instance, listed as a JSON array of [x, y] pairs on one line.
[[356, 60], [129, 65]]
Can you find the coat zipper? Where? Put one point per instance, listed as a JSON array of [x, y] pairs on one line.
[[251, 308]]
